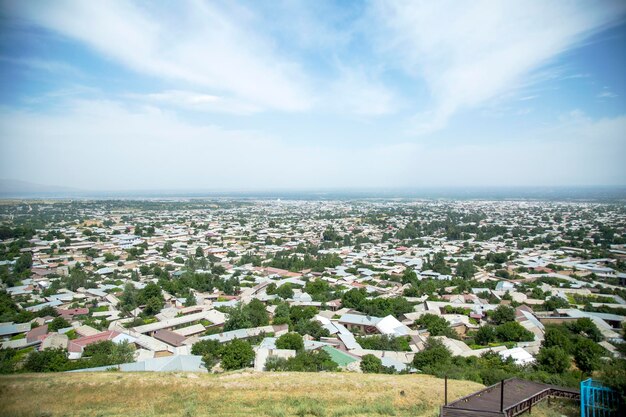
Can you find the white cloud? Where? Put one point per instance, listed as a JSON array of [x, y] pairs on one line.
[[472, 52], [199, 43], [194, 101], [103, 145]]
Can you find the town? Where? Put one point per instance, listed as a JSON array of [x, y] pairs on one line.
[[477, 290]]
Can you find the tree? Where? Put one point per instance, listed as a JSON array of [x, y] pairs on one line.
[[353, 298], [311, 327], [502, 314], [557, 336], [237, 319], [370, 364], [485, 335], [58, 323], [153, 306], [555, 302], [514, 332], [436, 325], [587, 354], [553, 360], [281, 314], [290, 341], [76, 279], [285, 291], [23, 263], [128, 301], [587, 328], [257, 315], [48, 360], [313, 361], [209, 350], [236, 355], [465, 269], [435, 354]]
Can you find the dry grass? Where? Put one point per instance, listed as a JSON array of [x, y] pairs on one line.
[[556, 408], [232, 394]]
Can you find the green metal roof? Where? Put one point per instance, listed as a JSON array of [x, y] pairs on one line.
[[339, 357]]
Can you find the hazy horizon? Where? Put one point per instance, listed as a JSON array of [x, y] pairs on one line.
[[119, 95]]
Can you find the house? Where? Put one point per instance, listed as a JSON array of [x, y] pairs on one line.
[[75, 347]]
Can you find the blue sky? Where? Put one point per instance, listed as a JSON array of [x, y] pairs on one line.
[[122, 95]]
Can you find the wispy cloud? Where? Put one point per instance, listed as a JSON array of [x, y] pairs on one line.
[[214, 50], [472, 52], [606, 93]]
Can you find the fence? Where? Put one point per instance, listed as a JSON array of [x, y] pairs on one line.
[[596, 400]]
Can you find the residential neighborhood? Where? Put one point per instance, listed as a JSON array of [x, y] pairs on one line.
[[313, 285]]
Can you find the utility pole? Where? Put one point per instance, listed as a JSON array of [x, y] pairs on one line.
[[446, 391]]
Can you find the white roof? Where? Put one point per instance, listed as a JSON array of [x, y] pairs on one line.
[[391, 326], [519, 355]]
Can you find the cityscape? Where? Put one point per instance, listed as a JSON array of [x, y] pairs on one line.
[[324, 208]]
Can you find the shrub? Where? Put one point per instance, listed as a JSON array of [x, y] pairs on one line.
[[371, 364]]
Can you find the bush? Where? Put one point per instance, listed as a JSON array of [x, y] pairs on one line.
[[313, 361], [385, 342], [370, 364]]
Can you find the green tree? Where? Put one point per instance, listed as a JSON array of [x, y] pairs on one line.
[[435, 354], [237, 319], [587, 355], [557, 336], [285, 291], [23, 263], [502, 314], [257, 314], [354, 298], [436, 325], [485, 335], [58, 323], [290, 341], [236, 355], [281, 314], [553, 359], [586, 327], [513, 332], [153, 306], [209, 350]]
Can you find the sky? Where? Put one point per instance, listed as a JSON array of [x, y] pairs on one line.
[[254, 95]]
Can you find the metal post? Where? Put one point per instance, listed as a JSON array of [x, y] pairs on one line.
[[446, 391], [502, 396]]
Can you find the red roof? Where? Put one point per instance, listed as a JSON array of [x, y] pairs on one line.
[[35, 333], [77, 345], [73, 312]]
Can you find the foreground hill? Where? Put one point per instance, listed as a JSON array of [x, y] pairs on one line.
[[232, 394]]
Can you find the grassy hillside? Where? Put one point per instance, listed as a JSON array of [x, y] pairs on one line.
[[232, 394]]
